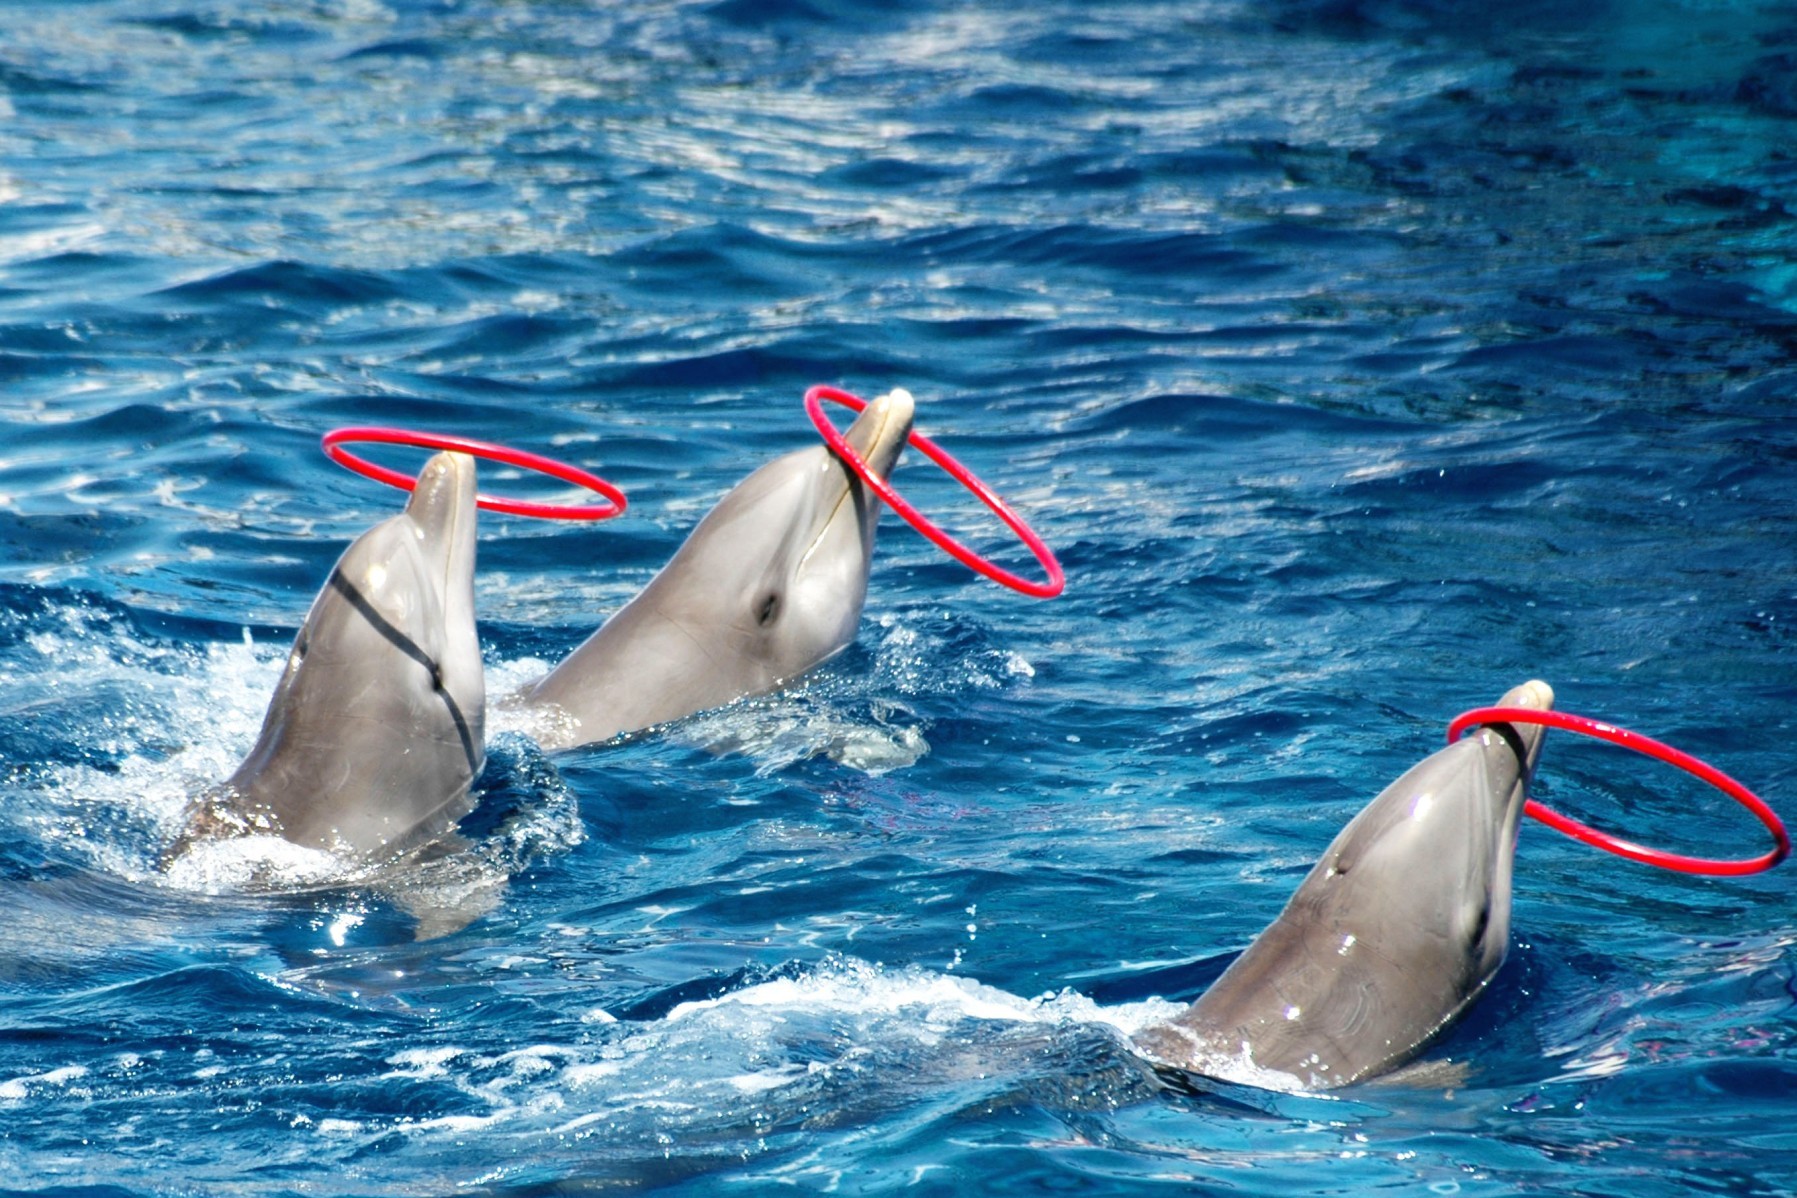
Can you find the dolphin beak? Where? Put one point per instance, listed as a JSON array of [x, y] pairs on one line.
[[1538, 696], [878, 435], [442, 509], [879, 432]]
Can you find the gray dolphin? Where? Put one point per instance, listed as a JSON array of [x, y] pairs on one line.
[[1390, 937], [770, 583], [377, 728]]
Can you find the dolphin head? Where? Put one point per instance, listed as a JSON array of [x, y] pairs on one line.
[[770, 583], [1437, 851], [1390, 936], [377, 725], [776, 574]]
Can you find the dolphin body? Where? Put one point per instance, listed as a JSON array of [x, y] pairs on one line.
[[1391, 936], [376, 730], [770, 583]]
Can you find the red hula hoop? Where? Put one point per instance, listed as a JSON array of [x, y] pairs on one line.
[[1641, 744], [334, 440], [1057, 581]]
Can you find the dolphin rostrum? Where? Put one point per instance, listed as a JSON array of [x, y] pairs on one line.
[[1389, 938], [770, 583], [377, 728]]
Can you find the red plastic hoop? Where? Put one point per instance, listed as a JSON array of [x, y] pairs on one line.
[[334, 440], [1712, 866], [1057, 581]]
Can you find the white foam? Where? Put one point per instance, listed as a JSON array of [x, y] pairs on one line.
[[930, 1000], [167, 720], [260, 862], [784, 728], [1210, 1059], [173, 720], [419, 1063], [765, 1045], [18, 1088]]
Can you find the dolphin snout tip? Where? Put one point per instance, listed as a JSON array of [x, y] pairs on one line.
[[893, 415], [448, 470], [445, 490], [880, 432], [899, 404], [1536, 694]]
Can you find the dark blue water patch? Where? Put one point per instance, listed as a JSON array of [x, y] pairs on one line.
[[1032, 101], [1465, 482], [1076, 172], [1745, 207], [1193, 256], [35, 542], [160, 1006], [1175, 983], [1543, 23], [773, 14], [1714, 307], [398, 48], [670, 814], [1576, 355], [451, 404], [38, 373], [887, 173], [568, 273], [723, 259], [1741, 1086], [1769, 85], [1222, 422], [133, 425], [520, 341], [788, 365], [207, 25], [27, 84], [77, 275], [287, 287], [210, 104]]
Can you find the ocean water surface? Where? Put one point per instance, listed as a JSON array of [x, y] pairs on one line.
[[1359, 360]]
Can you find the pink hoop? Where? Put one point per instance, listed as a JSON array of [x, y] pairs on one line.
[[334, 439], [1641, 744], [1057, 581]]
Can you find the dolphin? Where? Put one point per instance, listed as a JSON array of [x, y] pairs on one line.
[[770, 583], [1391, 936], [377, 728]]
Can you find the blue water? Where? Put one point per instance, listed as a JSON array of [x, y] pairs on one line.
[[1360, 361]]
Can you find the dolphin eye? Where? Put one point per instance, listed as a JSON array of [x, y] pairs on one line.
[[769, 609]]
